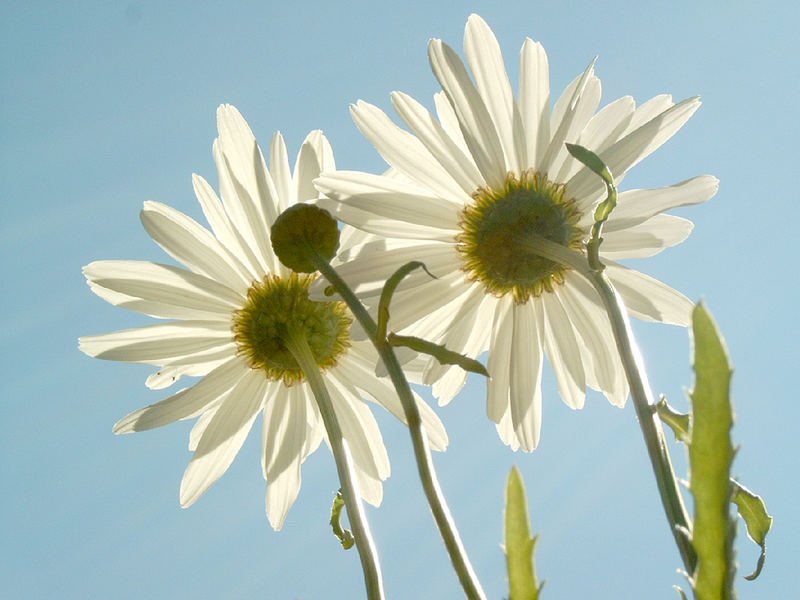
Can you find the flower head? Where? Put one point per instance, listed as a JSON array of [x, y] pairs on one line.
[[464, 189], [231, 308]]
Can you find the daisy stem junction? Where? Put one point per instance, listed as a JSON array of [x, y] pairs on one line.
[[298, 346], [633, 364], [422, 453]]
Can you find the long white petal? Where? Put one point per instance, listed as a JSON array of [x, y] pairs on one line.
[[526, 374], [646, 239], [188, 402], [155, 343], [497, 398], [439, 143], [476, 124], [534, 99], [564, 352], [284, 430], [279, 171], [223, 437], [486, 63], [163, 285], [648, 299], [404, 152]]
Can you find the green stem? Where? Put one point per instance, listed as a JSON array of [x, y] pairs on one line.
[[298, 346], [643, 400], [422, 453]]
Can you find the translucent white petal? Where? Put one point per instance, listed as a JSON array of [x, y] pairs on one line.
[[356, 369], [449, 120], [188, 402], [439, 143], [390, 199], [405, 152], [486, 63], [648, 299], [636, 206], [223, 437], [307, 168], [155, 343], [169, 375], [284, 430], [430, 308], [476, 125], [649, 110], [646, 239], [564, 352], [279, 171], [222, 227], [497, 399], [631, 149], [163, 285], [526, 374], [200, 426], [192, 244], [534, 100], [282, 491]]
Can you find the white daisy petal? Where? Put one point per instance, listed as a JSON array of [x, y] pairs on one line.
[[306, 170], [403, 151], [169, 375], [499, 384], [476, 125], [439, 143], [525, 375], [390, 199], [282, 491], [223, 437], [487, 65], [192, 244], [155, 343], [449, 120], [564, 352], [646, 239], [279, 171], [648, 299], [163, 285], [284, 431], [534, 100], [636, 206], [186, 403]]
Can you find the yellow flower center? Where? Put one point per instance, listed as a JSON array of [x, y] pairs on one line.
[[493, 234], [274, 306]]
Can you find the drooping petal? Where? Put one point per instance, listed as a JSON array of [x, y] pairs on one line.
[[646, 239], [648, 299], [526, 374], [187, 403], [499, 384], [223, 437], [564, 352]]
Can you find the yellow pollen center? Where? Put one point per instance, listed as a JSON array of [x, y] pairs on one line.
[[276, 305]]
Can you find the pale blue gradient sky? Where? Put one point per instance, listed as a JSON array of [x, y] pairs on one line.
[[106, 105]]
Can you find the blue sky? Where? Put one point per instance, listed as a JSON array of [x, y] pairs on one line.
[[106, 105]]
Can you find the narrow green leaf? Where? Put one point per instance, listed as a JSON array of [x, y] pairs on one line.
[[680, 592], [345, 536], [754, 512], [678, 422], [591, 160], [440, 353], [710, 457], [519, 544], [388, 290]]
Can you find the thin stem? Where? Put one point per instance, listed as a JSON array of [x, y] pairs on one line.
[[422, 453], [298, 346], [643, 401]]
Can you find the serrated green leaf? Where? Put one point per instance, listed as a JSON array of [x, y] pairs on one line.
[[440, 353], [519, 545], [710, 457], [754, 512], [678, 422], [345, 535]]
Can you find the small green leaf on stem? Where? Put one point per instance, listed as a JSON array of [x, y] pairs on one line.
[[754, 512], [678, 422], [344, 535], [388, 290], [439, 352], [710, 457], [519, 545], [681, 593]]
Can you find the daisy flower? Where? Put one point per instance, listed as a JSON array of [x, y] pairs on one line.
[[230, 309], [464, 188]]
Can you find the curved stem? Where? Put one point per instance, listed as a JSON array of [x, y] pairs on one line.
[[422, 453], [298, 346], [643, 401]]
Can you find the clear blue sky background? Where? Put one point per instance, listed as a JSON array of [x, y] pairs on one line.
[[108, 104]]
